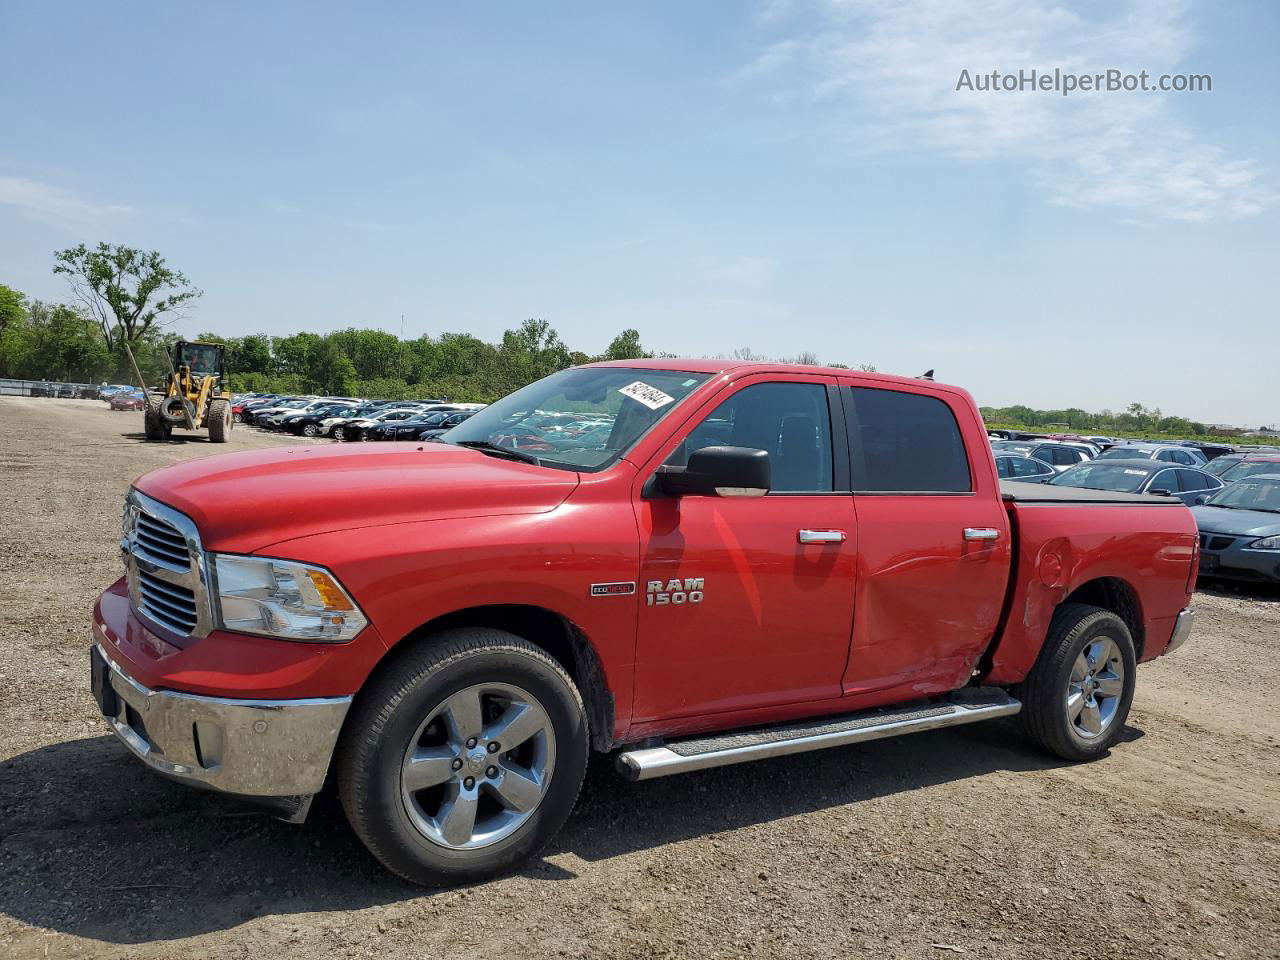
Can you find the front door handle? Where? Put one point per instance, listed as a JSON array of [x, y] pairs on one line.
[[981, 533], [821, 536]]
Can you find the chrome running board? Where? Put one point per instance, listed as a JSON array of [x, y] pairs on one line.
[[757, 743]]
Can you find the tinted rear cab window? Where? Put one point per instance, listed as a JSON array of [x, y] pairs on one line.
[[905, 443]]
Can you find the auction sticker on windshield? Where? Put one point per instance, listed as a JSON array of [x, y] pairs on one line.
[[651, 397]]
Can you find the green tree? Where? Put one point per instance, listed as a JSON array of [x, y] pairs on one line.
[[64, 345], [126, 291], [293, 354], [331, 370], [625, 346], [13, 307]]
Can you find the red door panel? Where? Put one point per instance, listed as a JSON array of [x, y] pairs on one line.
[[928, 600], [772, 625]]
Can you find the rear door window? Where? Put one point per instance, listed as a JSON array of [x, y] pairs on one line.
[[905, 443]]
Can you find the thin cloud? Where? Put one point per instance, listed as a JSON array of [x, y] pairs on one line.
[[889, 70], [58, 206]]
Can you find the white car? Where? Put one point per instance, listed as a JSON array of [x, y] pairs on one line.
[[353, 429]]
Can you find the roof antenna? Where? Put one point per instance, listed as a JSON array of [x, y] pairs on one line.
[[927, 375]]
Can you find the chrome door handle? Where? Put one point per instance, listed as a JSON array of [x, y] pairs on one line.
[[981, 533], [821, 536]]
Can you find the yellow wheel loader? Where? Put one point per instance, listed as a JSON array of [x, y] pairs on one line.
[[195, 394]]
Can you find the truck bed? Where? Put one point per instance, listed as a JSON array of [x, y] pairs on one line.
[[1011, 491]]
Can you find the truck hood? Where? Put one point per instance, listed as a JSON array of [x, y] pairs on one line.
[[243, 502], [1238, 523]]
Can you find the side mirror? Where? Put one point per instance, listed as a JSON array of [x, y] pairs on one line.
[[1203, 498], [1161, 492], [720, 472]]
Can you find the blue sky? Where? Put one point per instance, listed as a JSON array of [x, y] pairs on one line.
[[783, 176]]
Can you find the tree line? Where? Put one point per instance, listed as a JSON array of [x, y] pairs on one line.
[[124, 302], [1134, 419]]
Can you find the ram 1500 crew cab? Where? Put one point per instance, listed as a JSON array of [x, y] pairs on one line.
[[685, 563]]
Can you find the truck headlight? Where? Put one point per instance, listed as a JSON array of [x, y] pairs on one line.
[[1266, 543], [283, 598]]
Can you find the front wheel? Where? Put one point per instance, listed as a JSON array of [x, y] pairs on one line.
[[339, 433], [219, 420], [464, 757], [310, 429], [1078, 694]]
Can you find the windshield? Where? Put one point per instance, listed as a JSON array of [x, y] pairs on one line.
[[1247, 468], [1249, 495], [1221, 465], [1124, 453], [1103, 476], [583, 418]]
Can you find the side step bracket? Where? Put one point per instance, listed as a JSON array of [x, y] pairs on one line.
[[757, 743]]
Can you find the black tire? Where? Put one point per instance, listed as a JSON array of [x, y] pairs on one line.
[[219, 420], [154, 425], [1044, 717], [388, 714], [238, 417], [339, 433], [310, 429]]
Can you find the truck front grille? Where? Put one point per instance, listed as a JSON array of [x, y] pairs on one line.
[[165, 566]]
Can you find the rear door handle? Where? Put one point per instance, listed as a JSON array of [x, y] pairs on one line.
[[981, 533], [821, 536]]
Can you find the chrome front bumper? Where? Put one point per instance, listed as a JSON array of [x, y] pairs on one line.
[[252, 748], [1181, 630]]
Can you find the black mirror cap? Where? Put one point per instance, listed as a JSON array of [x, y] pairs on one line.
[[721, 472], [1203, 498]]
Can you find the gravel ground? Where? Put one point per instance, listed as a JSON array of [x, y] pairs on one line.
[[959, 841]]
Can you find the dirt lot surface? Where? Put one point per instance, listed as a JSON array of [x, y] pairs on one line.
[[949, 842]]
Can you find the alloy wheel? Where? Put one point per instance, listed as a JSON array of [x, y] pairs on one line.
[[478, 766]]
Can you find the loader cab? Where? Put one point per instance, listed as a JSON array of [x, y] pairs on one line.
[[203, 359]]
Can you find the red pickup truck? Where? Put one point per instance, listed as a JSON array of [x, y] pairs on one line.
[[684, 563]]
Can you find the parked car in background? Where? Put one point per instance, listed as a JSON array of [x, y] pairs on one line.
[[355, 429], [1220, 465], [1017, 466], [449, 422], [1210, 450], [1140, 475], [408, 428], [1252, 465], [274, 420], [1060, 456], [127, 400], [1168, 452], [311, 422], [1240, 530]]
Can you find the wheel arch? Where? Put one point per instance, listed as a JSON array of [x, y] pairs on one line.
[[1118, 596], [552, 632]]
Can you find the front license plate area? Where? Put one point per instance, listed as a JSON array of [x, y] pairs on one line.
[[100, 683], [1208, 562]]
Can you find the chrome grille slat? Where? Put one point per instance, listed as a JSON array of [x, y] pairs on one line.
[[187, 604], [165, 553], [173, 595]]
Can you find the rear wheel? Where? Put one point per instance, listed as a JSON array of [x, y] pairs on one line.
[[1077, 696], [154, 424], [464, 757], [310, 429], [219, 420], [339, 433]]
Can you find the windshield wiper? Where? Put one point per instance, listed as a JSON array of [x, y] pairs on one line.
[[484, 446]]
